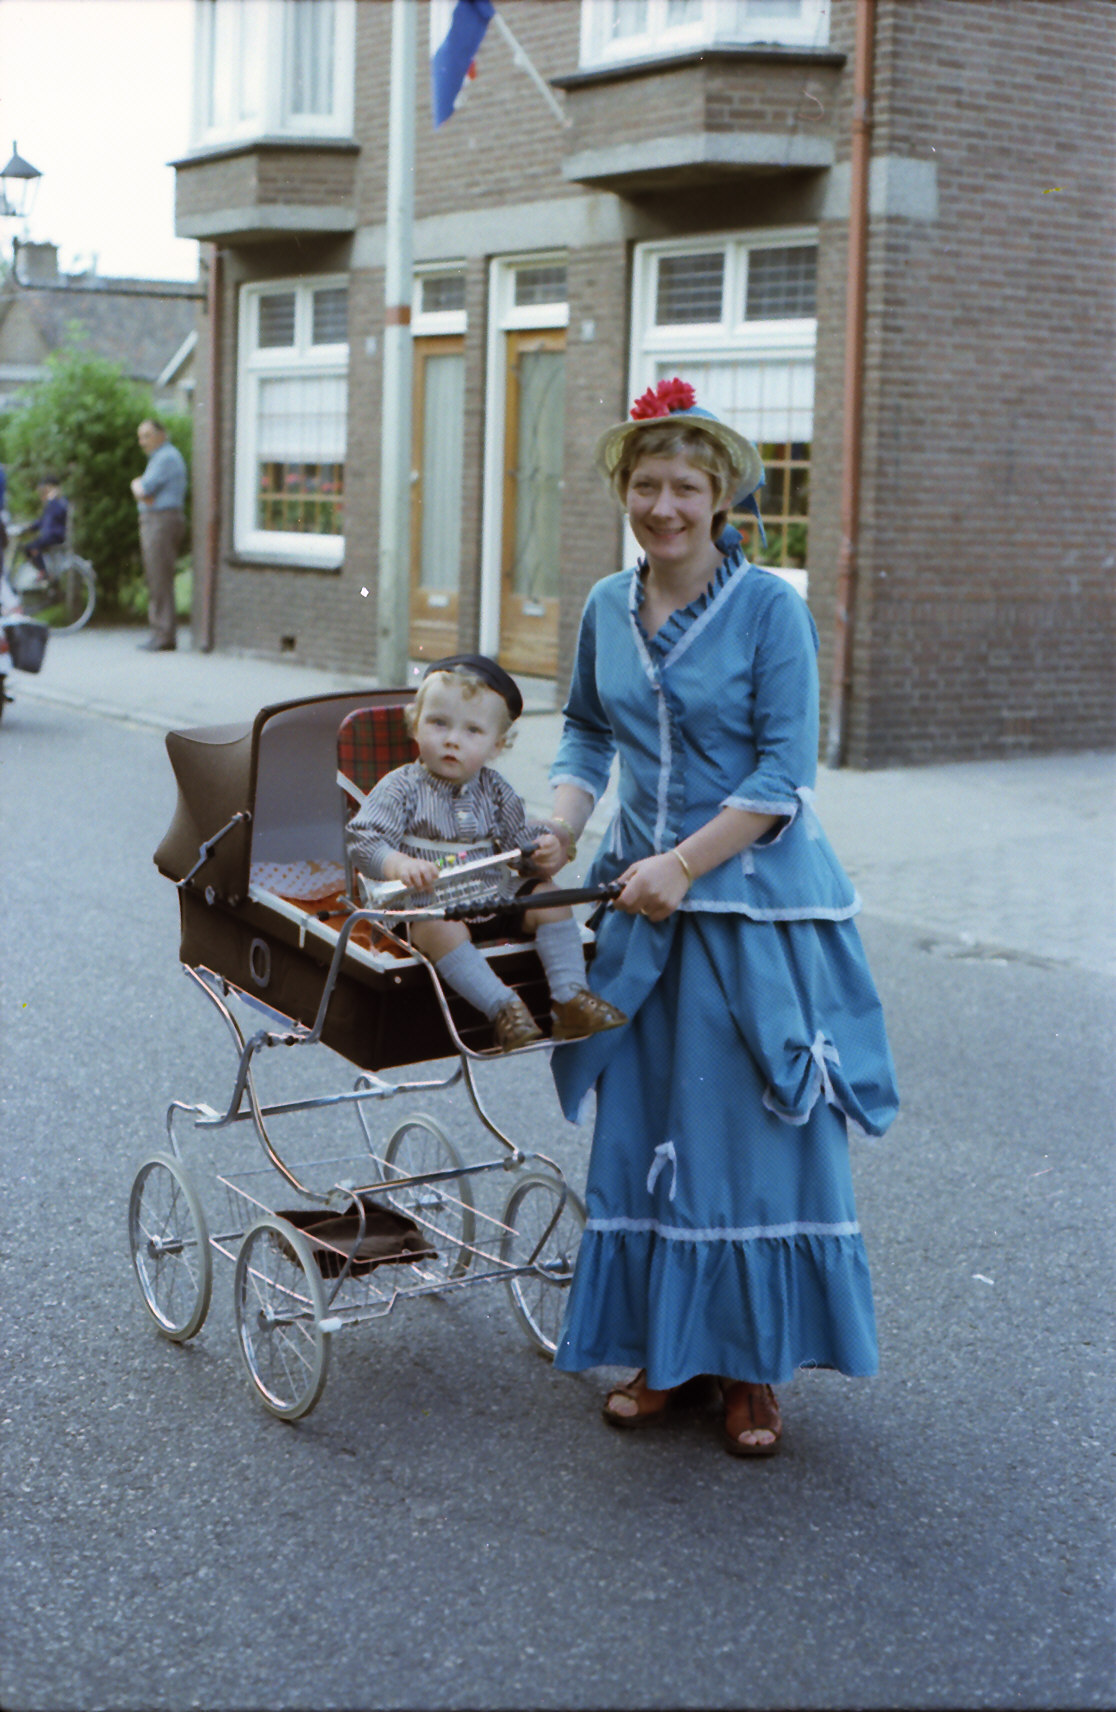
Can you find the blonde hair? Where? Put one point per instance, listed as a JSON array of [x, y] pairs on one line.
[[667, 437], [459, 677]]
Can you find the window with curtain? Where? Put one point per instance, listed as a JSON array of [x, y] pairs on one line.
[[293, 402], [736, 317], [635, 29], [264, 67]]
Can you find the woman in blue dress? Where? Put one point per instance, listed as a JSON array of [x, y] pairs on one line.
[[722, 1236]]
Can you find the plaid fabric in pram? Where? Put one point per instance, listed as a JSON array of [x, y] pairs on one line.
[[371, 742]]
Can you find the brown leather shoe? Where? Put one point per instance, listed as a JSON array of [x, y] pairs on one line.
[[650, 1406], [751, 1409], [515, 1026], [585, 1013]]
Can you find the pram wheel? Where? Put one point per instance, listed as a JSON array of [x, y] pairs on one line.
[[444, 1210], [538, 1297], [280, 1305], [169, 1240]]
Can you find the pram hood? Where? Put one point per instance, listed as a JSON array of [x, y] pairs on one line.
[[279, 771]]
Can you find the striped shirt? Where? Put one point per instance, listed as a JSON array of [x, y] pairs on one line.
[[413, 806]]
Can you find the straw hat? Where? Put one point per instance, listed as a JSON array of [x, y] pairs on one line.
[[676, 398]]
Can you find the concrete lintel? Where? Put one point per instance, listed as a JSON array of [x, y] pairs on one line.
[[900, 187], [564, 222], [266, 220], [768, 150]]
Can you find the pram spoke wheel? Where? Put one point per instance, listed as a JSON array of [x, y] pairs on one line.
[[280, 1304], [538, 1297], [444, 1210], [169, 1241]]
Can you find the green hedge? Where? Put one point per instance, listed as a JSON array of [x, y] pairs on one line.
[[80, 423]]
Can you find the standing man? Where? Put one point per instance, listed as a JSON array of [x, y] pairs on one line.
[[161, 494]]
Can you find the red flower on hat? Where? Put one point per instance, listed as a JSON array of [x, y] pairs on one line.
[[662, 400]]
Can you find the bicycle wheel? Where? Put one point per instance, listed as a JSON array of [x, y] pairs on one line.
[[170, 1247], [538, 1297], [280, 1304], [445, 1210], [62, 596]]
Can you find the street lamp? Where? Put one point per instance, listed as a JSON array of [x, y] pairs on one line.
[[19, 185]]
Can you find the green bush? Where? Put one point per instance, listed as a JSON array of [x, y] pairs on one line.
[[80, 422]]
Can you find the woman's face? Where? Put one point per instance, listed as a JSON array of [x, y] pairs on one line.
[[670, 507]]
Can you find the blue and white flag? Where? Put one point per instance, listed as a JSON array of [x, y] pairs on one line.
[[450, 66]]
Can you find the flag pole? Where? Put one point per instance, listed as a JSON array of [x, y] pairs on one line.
[[393, 589], [525, 63]]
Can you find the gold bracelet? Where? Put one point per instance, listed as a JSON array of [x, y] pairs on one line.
[[686, 869], [571, 847]]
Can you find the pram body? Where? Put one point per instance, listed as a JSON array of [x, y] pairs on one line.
[[278, 774]]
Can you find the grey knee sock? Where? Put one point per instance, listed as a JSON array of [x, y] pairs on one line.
[[560, 951], [467, 972]]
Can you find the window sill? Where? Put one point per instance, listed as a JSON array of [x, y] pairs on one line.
[[243, 561], [272, 140]]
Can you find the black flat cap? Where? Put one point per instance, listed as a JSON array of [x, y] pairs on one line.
[[488, 672]]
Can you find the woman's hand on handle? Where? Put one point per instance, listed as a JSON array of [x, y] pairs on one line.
[[656, 885], [653, 886]]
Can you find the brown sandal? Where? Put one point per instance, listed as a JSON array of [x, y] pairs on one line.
[[750, 1409], [639, 1391]]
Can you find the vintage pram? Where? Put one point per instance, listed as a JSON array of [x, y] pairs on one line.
[[272, 919]]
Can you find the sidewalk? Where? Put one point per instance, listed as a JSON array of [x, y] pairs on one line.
[[1014, 858]]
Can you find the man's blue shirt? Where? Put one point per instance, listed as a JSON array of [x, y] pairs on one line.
[[164, 480]]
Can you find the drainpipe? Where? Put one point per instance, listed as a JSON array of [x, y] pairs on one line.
[[207, 592], [855, 293]]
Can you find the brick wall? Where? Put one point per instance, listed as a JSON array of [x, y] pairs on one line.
[[988, 522]]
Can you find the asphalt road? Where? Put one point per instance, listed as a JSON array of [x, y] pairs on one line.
[[454, 1526]]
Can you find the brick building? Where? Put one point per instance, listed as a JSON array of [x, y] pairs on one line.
[[690, 216]]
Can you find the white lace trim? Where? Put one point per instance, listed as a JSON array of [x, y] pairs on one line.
[[695, 629], [582, 784], [802, 912], [725, 1233]]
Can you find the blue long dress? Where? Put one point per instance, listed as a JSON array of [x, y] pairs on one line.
[[722, 1233]]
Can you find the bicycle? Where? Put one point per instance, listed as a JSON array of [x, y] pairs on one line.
[[60, 593]]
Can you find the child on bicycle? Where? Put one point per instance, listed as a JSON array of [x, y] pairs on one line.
[[50, 528], [450, 799]]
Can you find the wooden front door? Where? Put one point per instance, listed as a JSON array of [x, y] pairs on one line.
[[438, 455], [533, 436]]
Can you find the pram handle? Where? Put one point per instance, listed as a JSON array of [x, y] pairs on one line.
[[535, 900]]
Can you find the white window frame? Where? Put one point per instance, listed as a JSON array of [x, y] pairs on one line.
[[256, 364], [275, 118], [505, 316], [720, 22], [794, 335], [427, 325], [731, 336]]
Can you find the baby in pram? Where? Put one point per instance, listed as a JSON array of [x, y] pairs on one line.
[[451, 801]]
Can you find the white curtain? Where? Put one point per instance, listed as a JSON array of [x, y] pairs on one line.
[[237, 58], [301, 419], [443, 459], [762, 398], [310, 48]]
